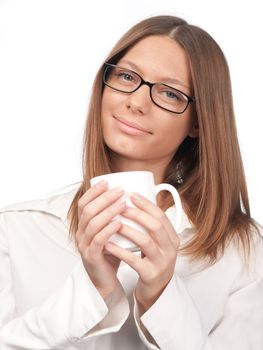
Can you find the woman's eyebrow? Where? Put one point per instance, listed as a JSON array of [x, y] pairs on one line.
[[161, 79]]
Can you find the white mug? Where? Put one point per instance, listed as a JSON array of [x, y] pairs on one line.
[[141, 182]]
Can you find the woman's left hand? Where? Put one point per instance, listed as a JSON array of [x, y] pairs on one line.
[[158, 249]]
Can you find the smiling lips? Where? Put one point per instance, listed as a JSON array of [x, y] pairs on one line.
[[131, 128]]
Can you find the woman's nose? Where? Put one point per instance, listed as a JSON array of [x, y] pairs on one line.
[[139, 101]]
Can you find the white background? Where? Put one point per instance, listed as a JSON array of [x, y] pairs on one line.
[[49, 54]]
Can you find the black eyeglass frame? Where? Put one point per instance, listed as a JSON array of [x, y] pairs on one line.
[[144, 82]]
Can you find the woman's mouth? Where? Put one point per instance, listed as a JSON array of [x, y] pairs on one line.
[[130, 128]]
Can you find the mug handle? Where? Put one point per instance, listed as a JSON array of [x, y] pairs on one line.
[[177, 201]]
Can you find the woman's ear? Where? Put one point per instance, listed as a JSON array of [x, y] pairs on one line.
[[194, 131]]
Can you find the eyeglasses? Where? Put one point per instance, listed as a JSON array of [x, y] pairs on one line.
[[162, 95]]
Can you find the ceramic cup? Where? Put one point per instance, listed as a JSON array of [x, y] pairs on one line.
[[141, 182]]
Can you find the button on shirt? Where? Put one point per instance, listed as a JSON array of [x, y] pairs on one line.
[[47, 300]]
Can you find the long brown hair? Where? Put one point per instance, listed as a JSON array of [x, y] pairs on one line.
[[207, 171]]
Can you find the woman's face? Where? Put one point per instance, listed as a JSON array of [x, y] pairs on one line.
[[134, 128]]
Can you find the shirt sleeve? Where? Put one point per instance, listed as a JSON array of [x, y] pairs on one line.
[[174, 321], [71, 315]]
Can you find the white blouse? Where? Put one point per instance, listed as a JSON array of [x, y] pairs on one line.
[[47, 300]]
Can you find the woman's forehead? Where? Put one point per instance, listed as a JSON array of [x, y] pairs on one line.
[[159, 58]]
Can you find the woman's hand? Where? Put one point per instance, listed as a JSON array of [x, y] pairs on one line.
[[96, 210], [159, 249]]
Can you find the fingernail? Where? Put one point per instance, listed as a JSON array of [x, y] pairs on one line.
[[135, 196], [121, 204], [101, 183], [109, 245], [115, 223], [118, 189]]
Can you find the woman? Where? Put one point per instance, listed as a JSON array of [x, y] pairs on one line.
[[161, 102]]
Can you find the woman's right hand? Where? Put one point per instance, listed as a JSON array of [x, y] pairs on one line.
[[96, 210]]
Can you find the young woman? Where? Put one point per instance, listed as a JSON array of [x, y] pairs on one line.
[[161, 102]]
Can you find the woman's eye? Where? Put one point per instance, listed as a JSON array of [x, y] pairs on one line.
[[171, 95], [126, 76]]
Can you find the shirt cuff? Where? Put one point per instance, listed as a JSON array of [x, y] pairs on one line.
[[81, 311], [136, 314], [108, 315], [118, 311], [172, 321]]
